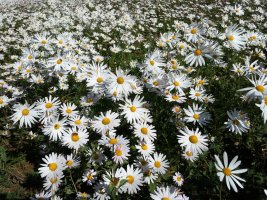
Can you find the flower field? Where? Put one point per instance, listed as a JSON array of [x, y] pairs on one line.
[[161, 100]]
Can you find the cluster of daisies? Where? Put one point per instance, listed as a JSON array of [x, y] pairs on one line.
[[56, 60]]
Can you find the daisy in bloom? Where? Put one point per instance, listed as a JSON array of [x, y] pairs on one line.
[[229, 171], [25, 114], [165, 193], [53, 166], [79, 122], [52, 184], [55, 129], [145, 148], [96, 155], [43, 195], [42, 40], [178, 179], [113, 178], [121, 82], [149, 176], [4, 100], [74, 138], [238, 69], [235, 38], [194, 32], [193, 140], [176, 109], [101, 191], [71, 161], [58, 63], [178, 82], [263, 107], [134, 111], [111, 139], [197, 114], [189, 155], [89, 177], [238, 122], [105, 122], [134, 179], [196, 57], [258, 89], [158, 163], [49, 104], [121, 153], [175, 97], [197, 95], [154, 63], [68, 110]]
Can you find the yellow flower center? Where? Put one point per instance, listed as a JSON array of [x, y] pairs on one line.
[[30, 57], [133, 108], [69, 163], [260, 88], [152, 62], [53, 180], [156, 83], [57, 126], [265, 100], [52, 166], [60, 41], [231, 37], [189, 153], [77, 122], [1, 101], [177, 109], [144, 131], [68, 110], [130, 179], [198, 52], [43, 41], [148, 173], [99, 80], [73, 68], [181, 46], [113, 141], [236, 122], [48, 105], [114, 93], [179, 178], [201, 82], [89, 177], [227, 171], [165, 198], [174, 67], [90, 100], [118, 152], [157, 164], [75, 137], [175, 97], [120, 80], [196, 116], [28, 71], [194, 31], [59, 61], [173, 62], [176, 83], [144, 147], [193, 139], [25, 112], [106, 121], [197, 94], [114, 181]]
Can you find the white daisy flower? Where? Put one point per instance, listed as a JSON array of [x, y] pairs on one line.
[[55, 129], [105, 122], [121, 153], [4, 100], [74, 138], [53, 166], [68, 110], [89, 177], [229, 171], [134, 179], [71, 161], [158, 163], [165, 193], [134, 111], [145, 148], [189, 155], [178, 178], [193, 140], [25, 114], [235, 38], [145, 131]]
